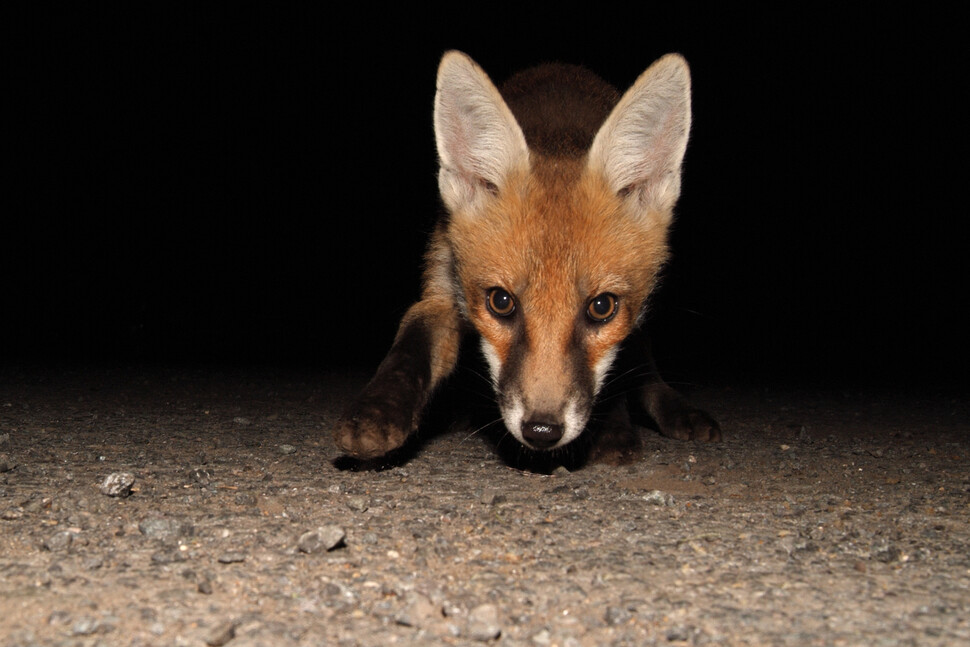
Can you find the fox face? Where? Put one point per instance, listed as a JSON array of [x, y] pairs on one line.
[[559, 194], [555, 248]]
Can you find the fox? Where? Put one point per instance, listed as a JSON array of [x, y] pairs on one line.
[[558, 196]]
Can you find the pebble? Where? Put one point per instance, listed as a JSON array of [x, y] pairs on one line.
[[358, 503], [117, 484], [164, 528], [220, 634], [84, 626], [169, 556], [491, 496], [287, 449], [232, 558], [323, 538], [419, 611], [202, 476], [617, 616], [11, 513], [59, 541], [483, 623], [657, 497]]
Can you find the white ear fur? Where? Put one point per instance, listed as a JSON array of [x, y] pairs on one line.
[[479, 141], [640, 146]]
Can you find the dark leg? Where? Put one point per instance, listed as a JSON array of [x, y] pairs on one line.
[[389, 408], [671, 411]]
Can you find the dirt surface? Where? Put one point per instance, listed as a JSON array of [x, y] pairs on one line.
[[824, 518]]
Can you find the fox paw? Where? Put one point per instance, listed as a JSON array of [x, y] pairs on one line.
[[370, 432], [691, 424]]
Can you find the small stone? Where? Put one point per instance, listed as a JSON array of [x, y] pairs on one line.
[[789, 510], [887, 553], [483, 623], [678, 634], [10, 514], [202, 476], [617, 616], [6, 463], [242, 420], [657, 497], [84, 626], [117, 484], [232, 558], [164, 528], [220, 634], [323, 538], [358, 503], [492, 496], [169, 556], [245, 498], [59, 541], [205, 587], [419, 611], [286, 450]]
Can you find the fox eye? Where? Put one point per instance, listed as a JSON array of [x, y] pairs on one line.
[[500, 303], [602, 307]]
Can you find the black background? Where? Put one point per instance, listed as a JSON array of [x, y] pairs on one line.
[[257, 186]]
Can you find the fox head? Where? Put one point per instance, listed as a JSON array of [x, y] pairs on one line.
[[555, 249]]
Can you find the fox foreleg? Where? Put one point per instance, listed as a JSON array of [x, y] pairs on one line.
[[673, 413], [389, 408]]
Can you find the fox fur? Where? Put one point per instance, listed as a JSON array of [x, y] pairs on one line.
[[559, 195]]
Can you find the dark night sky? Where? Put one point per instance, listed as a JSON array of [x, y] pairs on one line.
[[258, 187]]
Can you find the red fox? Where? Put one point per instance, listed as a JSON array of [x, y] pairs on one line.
[[558, 197]]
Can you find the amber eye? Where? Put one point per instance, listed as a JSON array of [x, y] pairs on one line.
[[500, 303], [602, 307]]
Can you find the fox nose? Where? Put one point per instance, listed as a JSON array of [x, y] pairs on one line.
[[541, 435]]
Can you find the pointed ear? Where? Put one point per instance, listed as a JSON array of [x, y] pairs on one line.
[[640, 146], [479, 142]]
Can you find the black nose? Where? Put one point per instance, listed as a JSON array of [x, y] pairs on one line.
[[541, 435]]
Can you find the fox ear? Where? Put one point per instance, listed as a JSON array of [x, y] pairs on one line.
[[640, 146], [479, 141]]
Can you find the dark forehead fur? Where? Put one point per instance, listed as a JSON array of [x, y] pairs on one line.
[[559, 107]]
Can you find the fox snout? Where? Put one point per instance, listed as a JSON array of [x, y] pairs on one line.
[[544, 427], [543, 414]]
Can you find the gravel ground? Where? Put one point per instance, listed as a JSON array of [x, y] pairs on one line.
[[205, 507]]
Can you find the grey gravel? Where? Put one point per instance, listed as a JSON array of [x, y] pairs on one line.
[[824, 518], [59, 541], [358, 503], [117, 484], [164, 528], [418, 611], [323, 538], [483, 623], [220, 634]]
